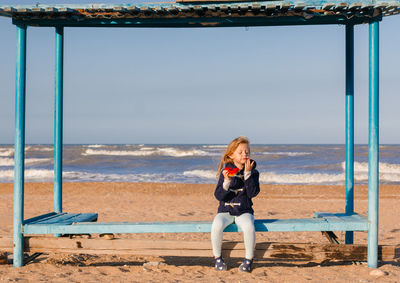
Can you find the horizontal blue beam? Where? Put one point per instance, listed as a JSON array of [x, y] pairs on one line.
[[199, 22], [348, 223]]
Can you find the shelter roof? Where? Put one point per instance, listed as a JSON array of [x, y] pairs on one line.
[[203, 13]]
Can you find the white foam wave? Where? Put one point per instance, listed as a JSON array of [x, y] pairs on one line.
[[31, 161], [33, 175], [117, 152], [28, 161], [6, 152], [215, 146], [273, 178], [86, 176], [205, 174], [95, 145], [181, 153], [10, 152], [38, 148], [147, 148], [288, 153], [385, 168], [30, 175], [6, 162], [42, 175], [46, 149], [168, 151], [307, 178]]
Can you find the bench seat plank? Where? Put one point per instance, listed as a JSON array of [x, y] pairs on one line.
[[78, 224], [62, 218], [41, 217]]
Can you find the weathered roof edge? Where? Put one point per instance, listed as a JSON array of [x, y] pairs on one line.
[[178, 13], [182, 3]]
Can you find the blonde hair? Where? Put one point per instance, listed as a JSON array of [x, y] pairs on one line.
[[233, 145]]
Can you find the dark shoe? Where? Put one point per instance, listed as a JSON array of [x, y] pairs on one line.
[[246, 265], [220, 264]]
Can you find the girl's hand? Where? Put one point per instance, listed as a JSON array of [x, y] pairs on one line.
[[226, 176], [248, 166]]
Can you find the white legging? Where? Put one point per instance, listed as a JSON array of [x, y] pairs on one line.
[[244, 221]]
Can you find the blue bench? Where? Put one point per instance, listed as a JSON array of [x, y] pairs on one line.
[[85, 223]]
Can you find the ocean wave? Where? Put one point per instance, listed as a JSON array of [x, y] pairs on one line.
[[116, 152], [6, 152], [273, 178], [147, 148], [386, 168], [95, 145], [205, 174], [320, 178], [10, 151], [6, 162], [46, 149], [306, 178], [28, 161], [215, 146], [288, 153], [168, 151], [42, 175], [30, 175], [99, 177], [202, 176], [38, 148]]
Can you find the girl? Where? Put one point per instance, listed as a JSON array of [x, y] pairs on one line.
[[234, 192]]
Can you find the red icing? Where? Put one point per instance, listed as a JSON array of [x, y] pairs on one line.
[[232, 171]]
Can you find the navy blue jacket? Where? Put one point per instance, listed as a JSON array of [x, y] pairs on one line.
[[237, 199]]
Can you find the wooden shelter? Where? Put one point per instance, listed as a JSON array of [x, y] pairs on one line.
[[200, 13]]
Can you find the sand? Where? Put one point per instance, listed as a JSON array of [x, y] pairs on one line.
[[185, 202]]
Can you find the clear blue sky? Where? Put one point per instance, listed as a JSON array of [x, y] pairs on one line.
[[272, 84]]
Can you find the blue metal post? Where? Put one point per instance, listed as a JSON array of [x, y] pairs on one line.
[[373, 148], [349, 126], [19, 155], [58, 119]]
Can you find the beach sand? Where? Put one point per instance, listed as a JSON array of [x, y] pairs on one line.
[[185, 202]]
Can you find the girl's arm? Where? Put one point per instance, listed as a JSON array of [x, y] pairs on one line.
[[252, 185], [221, 193]]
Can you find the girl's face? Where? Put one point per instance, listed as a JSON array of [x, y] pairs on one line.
[[240, 155]]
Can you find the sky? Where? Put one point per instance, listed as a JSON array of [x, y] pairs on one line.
[[276, 85]]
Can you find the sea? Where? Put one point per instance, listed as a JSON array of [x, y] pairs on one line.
[[190, 163]]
